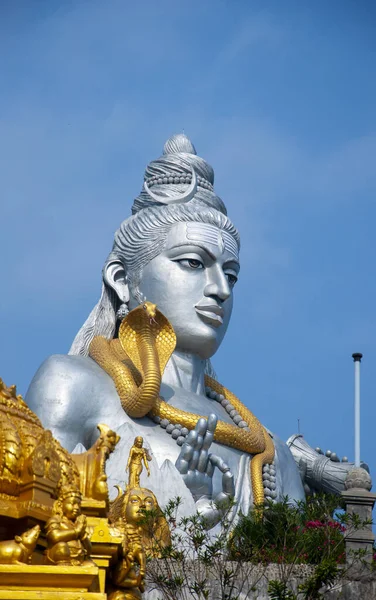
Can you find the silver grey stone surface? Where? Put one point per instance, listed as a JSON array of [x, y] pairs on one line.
[[183, 255]]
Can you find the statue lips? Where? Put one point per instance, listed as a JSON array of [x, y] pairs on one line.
[[210, 313]]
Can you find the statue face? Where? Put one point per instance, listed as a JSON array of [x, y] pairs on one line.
[[71, 507], [191, 282], [139, 499], [111, 440]]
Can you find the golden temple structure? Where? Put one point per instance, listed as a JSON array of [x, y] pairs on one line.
[[60, 537]]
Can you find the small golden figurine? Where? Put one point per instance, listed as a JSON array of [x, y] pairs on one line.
[[19, 550], [68, 541], [137, 455]]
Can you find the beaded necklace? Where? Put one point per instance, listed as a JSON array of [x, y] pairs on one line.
[[179, 433]]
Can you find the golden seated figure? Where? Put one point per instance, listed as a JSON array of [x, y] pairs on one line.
[[68, 541]]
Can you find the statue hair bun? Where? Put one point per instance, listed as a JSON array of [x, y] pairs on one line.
[[178, 176], [179, 143]]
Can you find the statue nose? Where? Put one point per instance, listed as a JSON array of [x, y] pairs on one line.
[[220, 290]]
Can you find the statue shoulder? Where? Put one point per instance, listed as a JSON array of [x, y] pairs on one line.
[[59, 377], [53, 522], [67, 391], [69, 368]]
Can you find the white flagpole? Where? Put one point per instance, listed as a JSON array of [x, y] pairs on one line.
[[357, 356]]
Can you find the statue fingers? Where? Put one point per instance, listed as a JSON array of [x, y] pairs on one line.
[[212, 422], [209, 435], [222, 500], [217, 461], [201, 427], [194, 460], [199, 442], [191, 438], [184, 459], [228, 484], [203, 461], [182, 466], [210, 468]]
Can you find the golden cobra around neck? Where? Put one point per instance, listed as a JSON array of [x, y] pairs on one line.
[[136, 361]]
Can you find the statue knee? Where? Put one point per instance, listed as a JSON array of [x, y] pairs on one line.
[[60, 552]]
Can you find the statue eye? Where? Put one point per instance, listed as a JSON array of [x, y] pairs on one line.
[[232, 279], [191, 263]]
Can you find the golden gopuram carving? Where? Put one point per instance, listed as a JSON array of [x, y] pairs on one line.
[[60, 536]]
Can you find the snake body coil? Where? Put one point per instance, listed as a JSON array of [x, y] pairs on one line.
[[136, 361]]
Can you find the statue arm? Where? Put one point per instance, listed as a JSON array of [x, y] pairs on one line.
[[86, 544], [55, 534], [146, 462], [129, 459], [319, 472]]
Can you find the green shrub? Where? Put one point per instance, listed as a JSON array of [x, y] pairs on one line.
[[308, 532], [236, 559]]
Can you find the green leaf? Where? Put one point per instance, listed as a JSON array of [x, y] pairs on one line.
[[278, 590]]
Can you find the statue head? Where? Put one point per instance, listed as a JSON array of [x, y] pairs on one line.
[[136, 502], [138, 441], [178, 250], [68, 503]]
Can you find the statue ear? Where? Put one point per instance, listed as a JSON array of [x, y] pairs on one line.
[[114, 275], [17, 539]]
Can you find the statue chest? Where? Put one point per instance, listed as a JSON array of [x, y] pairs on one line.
[[164, 447]]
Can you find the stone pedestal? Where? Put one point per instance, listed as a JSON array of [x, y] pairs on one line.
[[42, 582], [105, 546], [359, 501]]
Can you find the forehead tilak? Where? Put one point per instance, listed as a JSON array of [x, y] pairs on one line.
[[204, 232]]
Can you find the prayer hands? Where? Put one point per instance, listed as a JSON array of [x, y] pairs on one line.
[[196, 464]]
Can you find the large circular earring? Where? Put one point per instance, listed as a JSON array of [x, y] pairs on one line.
[[122, 311]]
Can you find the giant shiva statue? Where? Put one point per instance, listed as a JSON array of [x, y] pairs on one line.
[[141, 361]]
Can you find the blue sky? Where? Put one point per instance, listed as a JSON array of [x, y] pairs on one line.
[[280, 98]]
